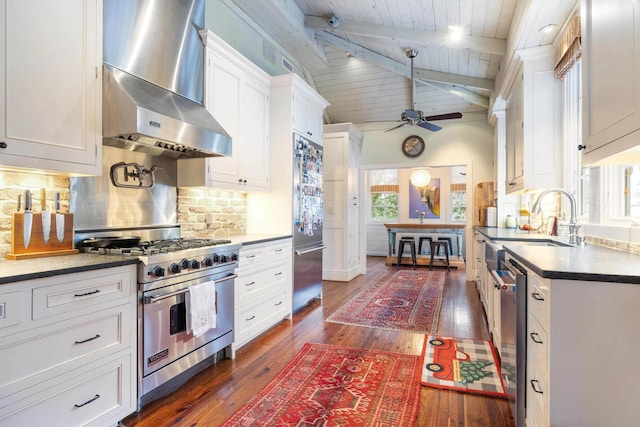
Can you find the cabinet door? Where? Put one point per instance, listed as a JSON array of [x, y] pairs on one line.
[[307, 118], [515, 139], [222, 99], [611, 88], [50, 85], [254, 135]]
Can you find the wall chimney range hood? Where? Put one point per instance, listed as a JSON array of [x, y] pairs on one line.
[[153, 80]]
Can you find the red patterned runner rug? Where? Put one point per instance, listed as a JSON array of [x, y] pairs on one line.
[[407, 300], [326, 385], [462, 364]]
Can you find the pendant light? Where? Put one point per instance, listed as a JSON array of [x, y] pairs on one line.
[[420, 178]]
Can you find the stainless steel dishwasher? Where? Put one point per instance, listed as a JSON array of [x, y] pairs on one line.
[[511, 278]]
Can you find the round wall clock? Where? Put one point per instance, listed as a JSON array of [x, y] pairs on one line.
[[413, 146]]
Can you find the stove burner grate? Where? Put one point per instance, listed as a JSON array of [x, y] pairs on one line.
[[153, 247]]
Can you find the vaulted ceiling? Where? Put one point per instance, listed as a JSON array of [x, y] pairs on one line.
[[359, 64]]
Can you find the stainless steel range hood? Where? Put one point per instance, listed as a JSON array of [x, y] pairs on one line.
[[153, 80]]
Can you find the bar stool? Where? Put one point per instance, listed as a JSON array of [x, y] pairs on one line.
[[435, 247], [448, 239], [422, 239], [412, 245]]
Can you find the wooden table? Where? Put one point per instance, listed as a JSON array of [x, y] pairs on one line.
[[394, 228]]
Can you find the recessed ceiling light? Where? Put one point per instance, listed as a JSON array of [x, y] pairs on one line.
[[548, 28], [455, 33]]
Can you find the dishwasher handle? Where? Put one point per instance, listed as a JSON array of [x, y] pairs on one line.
[[306, 251]]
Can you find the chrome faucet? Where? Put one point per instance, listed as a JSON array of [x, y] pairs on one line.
[[573, 221]]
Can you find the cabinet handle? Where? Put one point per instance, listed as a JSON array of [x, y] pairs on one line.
[[88, 339], [3, 144], [250, 256], [87, 293], [87, 402], [250, 283], [581, 147], [309, 133], [535, 337], [250, 318], [279, 273], [536, 296], [511, 184], [278, 303], [535, 384]]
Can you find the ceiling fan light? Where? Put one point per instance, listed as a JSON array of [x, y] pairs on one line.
[[420, 178]]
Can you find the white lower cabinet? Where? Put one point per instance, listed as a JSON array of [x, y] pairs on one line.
[[263, 293], [582, 365], [68, 349]]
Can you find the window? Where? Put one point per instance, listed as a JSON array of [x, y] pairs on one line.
[[384, 188], [622, 188], [458, 193]]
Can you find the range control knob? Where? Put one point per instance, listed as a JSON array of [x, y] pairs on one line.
[[208, 262], [223, 258], [174, 268], [234, 256], [216, 258], [184, 264], [157, 271], [195, 264]]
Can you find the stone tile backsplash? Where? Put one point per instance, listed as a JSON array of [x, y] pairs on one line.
[[209, 213]]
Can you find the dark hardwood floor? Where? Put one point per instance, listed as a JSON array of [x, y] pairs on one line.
[[217, 392]]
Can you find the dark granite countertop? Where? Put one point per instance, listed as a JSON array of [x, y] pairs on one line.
[[36, 268], [588, 262], [252, 239]]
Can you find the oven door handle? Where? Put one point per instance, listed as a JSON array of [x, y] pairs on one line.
[[155, 298]]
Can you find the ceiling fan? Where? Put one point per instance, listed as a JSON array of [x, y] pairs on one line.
[[416, 117]]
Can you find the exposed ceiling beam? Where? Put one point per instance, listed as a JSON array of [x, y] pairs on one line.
[[461, 92], [400, 68], [428, 38]]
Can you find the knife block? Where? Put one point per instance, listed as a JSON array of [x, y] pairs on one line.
[[37, 247]]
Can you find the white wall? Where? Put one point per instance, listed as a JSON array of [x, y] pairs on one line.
[[468, 141]]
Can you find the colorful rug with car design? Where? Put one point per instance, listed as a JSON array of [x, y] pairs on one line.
[[462, 364], [327, 385]]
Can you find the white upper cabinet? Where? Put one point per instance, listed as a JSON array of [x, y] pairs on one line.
[[533, 146], [237, 95], [611, 87], [307, 117], [51, 86]]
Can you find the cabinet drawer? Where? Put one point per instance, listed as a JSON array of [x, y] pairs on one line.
[[68, 296], [538, 296], [257, 318], [12, 308], [253, 255], [99, 397], [24, 357], [249, 284], [537, 346], [537, 390]]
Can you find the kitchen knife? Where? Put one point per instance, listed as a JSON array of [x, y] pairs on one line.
[[59, 218], [46, 217], [28, 218]]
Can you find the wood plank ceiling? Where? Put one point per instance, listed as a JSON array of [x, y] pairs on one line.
[[360, 64]]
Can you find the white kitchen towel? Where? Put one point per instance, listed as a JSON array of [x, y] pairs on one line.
[[202, 307]]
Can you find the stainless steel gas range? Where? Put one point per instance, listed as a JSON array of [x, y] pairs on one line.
[[168, 267]]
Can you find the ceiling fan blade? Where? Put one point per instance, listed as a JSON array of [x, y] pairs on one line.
[[444, 116], [429, 126], [395, 127]]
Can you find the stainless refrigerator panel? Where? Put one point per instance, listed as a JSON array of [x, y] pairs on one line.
[[307, 275]]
